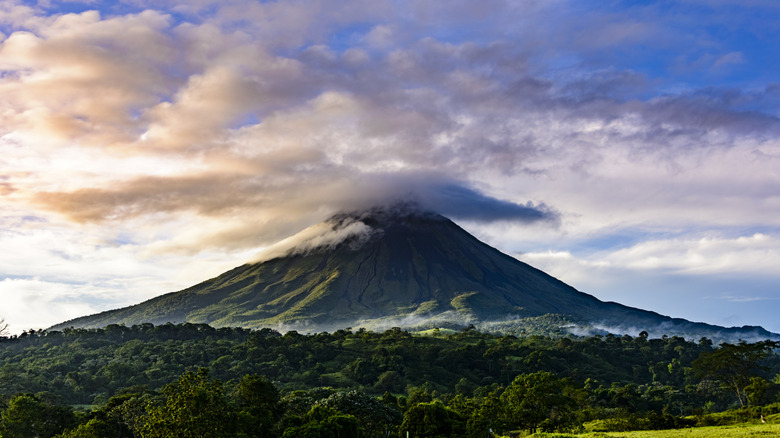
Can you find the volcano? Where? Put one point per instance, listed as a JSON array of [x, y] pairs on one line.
[[395, 266]]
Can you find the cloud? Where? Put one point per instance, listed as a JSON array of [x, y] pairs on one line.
[[743, 299], [222, 127], [728, 59], [15, 14], [252, 133], [248, 212], [468, 204], [380, 36], [246, 116], [6, 188], [713, 255], [322, 235], [84, 79], [35, 303]]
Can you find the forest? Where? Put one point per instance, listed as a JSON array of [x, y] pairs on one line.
[[192, 380]]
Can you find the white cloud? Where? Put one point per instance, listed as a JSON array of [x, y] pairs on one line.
[[755, 254], [215, 128], [319, 236], [380, 36], [35, 303]]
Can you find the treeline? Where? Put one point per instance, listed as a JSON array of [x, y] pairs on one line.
[[445, 383]]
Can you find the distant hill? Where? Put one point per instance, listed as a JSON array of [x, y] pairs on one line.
[[397, 266]]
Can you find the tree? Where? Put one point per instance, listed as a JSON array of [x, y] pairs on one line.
[[756, 391], [376, 418], [95, 428], [539, 399], [194, 407], [118, 418], [481, 413], [324, 422], [258, 400], [3, 327], [733, 365], [361, 371], [431, 420], [28, 416]]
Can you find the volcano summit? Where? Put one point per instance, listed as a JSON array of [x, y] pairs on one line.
[[393, 266]]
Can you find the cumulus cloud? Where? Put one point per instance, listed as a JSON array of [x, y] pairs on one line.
[[83, 78], [226, 126]]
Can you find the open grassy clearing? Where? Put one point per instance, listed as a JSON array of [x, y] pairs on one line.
[[734, 431]]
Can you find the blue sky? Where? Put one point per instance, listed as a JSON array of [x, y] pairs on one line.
[[628, 148]]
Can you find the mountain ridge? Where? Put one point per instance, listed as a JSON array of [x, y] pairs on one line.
[[386, 266]]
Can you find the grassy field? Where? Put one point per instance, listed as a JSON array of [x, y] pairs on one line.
[[736, 431]]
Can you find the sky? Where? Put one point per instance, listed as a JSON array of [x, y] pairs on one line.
[[629, 148]]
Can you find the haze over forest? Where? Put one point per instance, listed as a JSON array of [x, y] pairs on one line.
[[630, 150]]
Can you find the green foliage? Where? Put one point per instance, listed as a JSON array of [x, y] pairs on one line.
[[739, 416], [88, 366], [431, 420], [540, 400], [651, 420], [756, 391], [192, 407], [733, 366], [323, 422], [145, 381], [258, 403], [375, 418], [741, 431], [29, 416], [482, 413]]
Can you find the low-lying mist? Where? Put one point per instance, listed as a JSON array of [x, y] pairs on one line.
[[547, 325]]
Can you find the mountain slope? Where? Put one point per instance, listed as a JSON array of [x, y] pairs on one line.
[[391, 266]]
